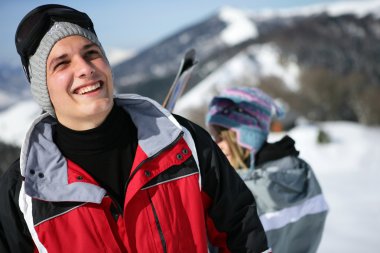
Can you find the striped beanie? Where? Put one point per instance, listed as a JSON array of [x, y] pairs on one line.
[[247, 111], [37, 62]]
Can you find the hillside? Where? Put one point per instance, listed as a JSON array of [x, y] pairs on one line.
[[320, 60]]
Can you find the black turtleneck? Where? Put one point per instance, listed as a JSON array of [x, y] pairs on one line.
[[105, 152]]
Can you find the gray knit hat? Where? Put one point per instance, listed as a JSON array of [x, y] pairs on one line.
[[37, 62]]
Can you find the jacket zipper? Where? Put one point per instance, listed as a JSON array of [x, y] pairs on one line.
[[160, 232], [115, 208], [138, 167]]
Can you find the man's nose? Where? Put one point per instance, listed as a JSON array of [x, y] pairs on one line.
[[83, 67]]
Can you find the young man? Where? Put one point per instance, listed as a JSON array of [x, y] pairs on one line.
[[105, 173]]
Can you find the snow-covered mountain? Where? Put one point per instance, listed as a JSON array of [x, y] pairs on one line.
[[118, 55], [13, 85], [358, 8], [239, 71], [15, 121], [227, 28], [334, 44]]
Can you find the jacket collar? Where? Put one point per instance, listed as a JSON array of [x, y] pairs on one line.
[[45, 168]]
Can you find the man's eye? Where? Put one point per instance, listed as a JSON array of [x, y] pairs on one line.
[[93, 54], [60, 65]]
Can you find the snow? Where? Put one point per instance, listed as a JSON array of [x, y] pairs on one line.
[[6, 99], [239, 27], [117, 55], [257, 61], [15, 121], [359, 8], [225, 76], [348, 170], [268, 57]]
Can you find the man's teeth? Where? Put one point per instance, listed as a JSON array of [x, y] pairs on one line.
[[89, 88]]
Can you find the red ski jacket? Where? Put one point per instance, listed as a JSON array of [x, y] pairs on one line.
[[181, 195]]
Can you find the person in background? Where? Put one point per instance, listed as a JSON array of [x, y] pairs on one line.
[[290, 202], [100, 172]]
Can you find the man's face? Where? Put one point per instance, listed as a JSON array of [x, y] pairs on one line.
[[80, 84]]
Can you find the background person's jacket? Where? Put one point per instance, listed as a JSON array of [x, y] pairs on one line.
[[290, 202], [181, 193]]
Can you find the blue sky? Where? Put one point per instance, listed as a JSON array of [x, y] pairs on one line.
[[131, 24]]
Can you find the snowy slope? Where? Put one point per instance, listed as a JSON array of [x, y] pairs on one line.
[[118, 55], [244, 68], [15, 121], [239, 26], [348, 170], [6, 99]]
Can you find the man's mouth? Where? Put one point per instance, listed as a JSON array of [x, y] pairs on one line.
[[87, 89]]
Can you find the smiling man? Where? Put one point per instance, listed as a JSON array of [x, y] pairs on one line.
[[100, 172], [79, 82]]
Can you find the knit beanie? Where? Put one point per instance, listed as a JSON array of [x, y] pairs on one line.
[[248, 112], [37, 62]]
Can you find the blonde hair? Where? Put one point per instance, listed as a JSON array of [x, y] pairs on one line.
[[239, 154]]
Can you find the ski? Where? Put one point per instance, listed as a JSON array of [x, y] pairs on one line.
[[182, 78]]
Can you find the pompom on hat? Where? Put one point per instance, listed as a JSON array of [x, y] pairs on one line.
[[37, 34], [247, 111]]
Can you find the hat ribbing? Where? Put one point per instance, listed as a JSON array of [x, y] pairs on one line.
[[37, 62]]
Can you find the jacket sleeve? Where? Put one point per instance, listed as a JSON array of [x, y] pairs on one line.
[[14, 235], [232, 221]]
